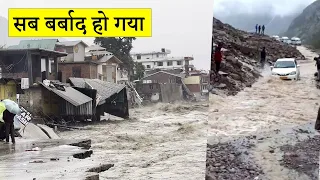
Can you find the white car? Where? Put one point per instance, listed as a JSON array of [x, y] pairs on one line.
[[286, 68], [276, 37], [296, 41], [285, 40]]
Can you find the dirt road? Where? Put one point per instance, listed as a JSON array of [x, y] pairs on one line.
[[258, 124], [158, 142]]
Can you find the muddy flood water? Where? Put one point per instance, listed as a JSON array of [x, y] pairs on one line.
[[270, 103], [164, 141], [275, 119]]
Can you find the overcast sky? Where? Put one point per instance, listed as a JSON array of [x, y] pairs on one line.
[[277, 7], [183, 26]]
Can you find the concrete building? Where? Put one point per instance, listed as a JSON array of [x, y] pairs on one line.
[[109, 68], [198, 83], [161, 60], [75, 50], [161, 86]]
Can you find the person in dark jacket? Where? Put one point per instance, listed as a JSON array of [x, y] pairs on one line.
[[218, 57], [263, 28], [8, 118], [256, 28], [259, 29], [317, 59], [263, 55]]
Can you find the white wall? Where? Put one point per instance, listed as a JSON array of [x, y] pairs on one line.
[[43, 65], [149, 56], [154, 65], [79, 56]]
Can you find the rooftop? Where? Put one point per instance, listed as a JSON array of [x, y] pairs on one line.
[[286, 59], [44, 51], [104, 89], [48, 44], [73, 43], [177, 75], [70, 94]]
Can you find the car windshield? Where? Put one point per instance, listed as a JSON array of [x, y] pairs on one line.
[[284, 64]]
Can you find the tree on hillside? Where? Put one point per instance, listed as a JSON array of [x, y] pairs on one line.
[[139, 71], [120, 47]]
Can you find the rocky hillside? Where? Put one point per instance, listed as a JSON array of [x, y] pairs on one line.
[[242, 56], [307, 25]]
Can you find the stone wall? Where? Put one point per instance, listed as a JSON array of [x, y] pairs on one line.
[[31, 100]]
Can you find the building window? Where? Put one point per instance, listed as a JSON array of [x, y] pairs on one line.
[[179, 62], [157, 55], [139, 56], [76, 71], [148, 66], [169, 63], [69, 50], [160, 63], [151, 86]]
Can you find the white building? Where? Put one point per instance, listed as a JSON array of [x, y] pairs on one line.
[[109, 65], [160, 60]]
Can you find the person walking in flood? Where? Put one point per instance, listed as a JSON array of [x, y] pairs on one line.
[[263, 28], [8, 119], [256, 28], [218, 57], [263, 55], [259, 29]]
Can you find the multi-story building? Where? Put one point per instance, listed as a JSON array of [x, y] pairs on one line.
[[161, 60]]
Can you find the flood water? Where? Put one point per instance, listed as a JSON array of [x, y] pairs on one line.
[[268, 106], [165, 141], [270, 103]]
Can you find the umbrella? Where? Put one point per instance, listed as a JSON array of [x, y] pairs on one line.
[[2, 108], [12, 106]]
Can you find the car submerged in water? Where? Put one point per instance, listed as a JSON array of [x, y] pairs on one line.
[[286, 69]]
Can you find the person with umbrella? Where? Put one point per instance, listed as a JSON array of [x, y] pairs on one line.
[[12, 109]]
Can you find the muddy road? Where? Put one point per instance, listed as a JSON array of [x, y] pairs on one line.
[[165, 141], [262, 124]]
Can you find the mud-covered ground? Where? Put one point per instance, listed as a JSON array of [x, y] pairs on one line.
[[277, 118], [164, 141]]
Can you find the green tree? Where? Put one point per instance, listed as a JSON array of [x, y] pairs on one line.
[[139, 68], [120, 47]]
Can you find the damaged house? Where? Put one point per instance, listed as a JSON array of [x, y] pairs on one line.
[[30, 61], [163, 86], [61, 101], [110, 97]]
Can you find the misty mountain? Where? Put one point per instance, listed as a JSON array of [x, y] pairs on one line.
[[275, 24], [307, 25], [5, 40]]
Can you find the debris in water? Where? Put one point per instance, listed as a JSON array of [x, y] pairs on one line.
[[37, 161], [54, 159], [93, 177], [83, 155], [101, 168], [86, 144], [34, 149]]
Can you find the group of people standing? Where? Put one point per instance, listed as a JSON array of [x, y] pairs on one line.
[[260, 29]]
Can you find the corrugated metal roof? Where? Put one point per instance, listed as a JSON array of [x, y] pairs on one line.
[[48, 44], [107, 58], [70, 94], [176, 75], [95, 48], [73, 43], [104, 89]]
